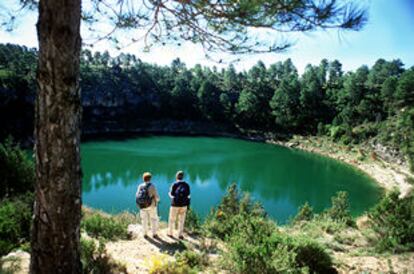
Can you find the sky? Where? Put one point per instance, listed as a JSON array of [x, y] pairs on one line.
[[389, 34]]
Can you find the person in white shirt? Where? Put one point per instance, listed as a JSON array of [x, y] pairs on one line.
[[147, 200]]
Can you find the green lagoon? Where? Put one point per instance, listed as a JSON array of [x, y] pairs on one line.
[[281, 179]]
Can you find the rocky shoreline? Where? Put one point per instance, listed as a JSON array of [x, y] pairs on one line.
[[388, 174]]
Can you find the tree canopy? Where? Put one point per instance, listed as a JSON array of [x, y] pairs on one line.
[[232, 26]]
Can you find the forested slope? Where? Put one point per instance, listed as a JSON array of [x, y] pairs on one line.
[[373, 105]]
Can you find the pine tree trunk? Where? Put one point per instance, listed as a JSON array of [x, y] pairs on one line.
[[57, 210]]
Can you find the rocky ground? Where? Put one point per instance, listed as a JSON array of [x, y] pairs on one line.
[[354, 255], [391, 264], [15, 262]]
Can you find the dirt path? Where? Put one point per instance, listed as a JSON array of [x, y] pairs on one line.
[[139, 253]]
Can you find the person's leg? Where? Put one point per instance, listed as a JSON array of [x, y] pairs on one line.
[[171, 220], [181, 220], [154, 220], [144, 220]]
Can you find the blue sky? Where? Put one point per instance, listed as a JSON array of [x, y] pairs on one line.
[[389, 34]]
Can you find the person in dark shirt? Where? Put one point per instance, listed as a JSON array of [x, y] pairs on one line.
[[180, 200]]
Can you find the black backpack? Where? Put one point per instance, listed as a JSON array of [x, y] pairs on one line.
[[181, 194], [143, 198]]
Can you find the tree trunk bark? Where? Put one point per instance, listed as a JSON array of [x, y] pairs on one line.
[[57, 209]]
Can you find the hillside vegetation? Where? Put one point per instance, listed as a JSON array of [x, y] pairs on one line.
[[370, 105]]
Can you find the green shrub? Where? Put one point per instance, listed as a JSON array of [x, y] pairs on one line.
[[346, 139], [329, 225], [397, 132], [335, 132], [15, 221], [88, 250], [95, 260], [258, 247], [253, 243], [16, 170], [319, 225], [107, 227], [407, 145], [192, 222], [230, 204], [309, 254], [305, 213], [192, 259], [393, 220], [321, 129], [250, 248], [221, 222], [339, 210], [364, 132]]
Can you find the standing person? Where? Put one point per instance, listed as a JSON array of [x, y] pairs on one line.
[[180, 200], [147, 199]]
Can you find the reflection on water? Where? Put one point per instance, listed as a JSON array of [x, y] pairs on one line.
[[281, 179]]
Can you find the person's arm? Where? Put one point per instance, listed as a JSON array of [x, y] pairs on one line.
[[154, 193], [170, 193], [136, 193], [189, 191]]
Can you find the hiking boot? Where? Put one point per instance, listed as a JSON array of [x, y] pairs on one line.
[[181, 237], [146, 237], [156, 236], [171, 236]]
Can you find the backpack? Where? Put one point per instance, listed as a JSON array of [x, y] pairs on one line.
[[181, 194], [143, 198]]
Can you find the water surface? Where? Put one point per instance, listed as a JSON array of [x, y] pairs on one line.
[[280, 178]]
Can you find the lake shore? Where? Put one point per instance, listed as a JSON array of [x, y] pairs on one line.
[[387, 174], [387, 171]]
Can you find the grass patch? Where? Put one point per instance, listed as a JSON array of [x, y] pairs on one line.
[[95, 260], [393, 222], [100, 225], [305, 213], [161, 264], [15, 222], [16, 169], [192, 222], [195, 260]]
